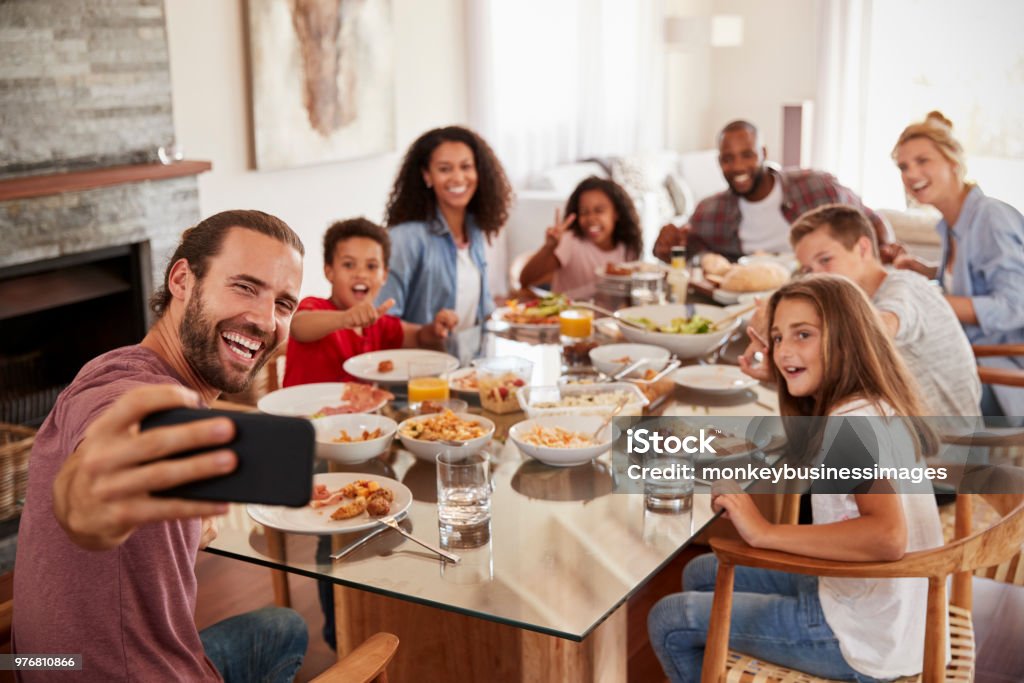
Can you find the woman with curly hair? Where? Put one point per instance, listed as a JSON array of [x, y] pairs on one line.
[[982, 265], [450, 195], [600, 227]]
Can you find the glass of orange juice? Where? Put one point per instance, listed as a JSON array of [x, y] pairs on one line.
[[576, 323], [428, 381]]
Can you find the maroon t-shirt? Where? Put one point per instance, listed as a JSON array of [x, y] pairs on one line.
[[322, 360], [129, 611]]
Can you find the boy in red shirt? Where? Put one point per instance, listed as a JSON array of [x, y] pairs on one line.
[[327, 332]]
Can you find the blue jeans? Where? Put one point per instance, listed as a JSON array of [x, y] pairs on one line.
[[776, 617], [266, 645]]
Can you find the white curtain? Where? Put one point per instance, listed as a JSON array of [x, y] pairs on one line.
[[553, 81], [841, 108]]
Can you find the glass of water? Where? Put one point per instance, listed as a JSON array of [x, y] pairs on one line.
[[463, 491], [647, 288], [668, 482]]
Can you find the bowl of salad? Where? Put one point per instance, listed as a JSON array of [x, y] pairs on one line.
[[687, 331]]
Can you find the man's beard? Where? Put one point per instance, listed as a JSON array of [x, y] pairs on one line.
[[754, 186], [201, 340]]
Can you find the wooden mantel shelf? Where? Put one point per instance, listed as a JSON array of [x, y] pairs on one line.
[[76, 181]]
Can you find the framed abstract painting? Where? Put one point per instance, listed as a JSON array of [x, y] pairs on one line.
[[323, 80]]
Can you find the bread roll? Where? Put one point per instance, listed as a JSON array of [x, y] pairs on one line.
[[755, 277], [714, 264]]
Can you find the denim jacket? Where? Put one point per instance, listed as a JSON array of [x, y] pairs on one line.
[[422, 269], [989, 268]]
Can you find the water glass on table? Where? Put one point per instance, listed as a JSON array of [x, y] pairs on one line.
[[428, 381], [647, 288], [463, 492], [669, 494]]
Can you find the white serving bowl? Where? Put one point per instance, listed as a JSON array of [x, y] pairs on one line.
[[604, 357], [563, 457], [329, 428], [428, 450], [683, 345]]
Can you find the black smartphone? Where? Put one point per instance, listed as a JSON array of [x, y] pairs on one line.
[[275, 458]]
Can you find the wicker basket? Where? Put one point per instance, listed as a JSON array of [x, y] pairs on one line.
[[15, 447]]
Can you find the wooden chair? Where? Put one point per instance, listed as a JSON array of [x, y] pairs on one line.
[[1009, 377], [366, 663], [993, 546]]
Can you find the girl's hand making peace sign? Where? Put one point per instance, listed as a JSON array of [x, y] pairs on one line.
[[554, 232]]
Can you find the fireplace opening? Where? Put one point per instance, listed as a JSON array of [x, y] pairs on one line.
[[57, 314]]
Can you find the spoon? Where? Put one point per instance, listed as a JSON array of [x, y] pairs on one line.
[[610, 314], [604, 423]]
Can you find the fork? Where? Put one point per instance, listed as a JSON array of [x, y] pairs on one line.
[[390, 521]]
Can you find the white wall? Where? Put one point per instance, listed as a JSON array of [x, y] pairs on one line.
[[775, 65], [207, 42]]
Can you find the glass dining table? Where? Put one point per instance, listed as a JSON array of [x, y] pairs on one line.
[[539, 594]]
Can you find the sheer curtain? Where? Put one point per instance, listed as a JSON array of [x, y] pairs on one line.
[[883, 65], [559, 80], [840, 113]]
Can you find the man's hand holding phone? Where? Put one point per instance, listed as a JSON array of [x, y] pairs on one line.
[[103, 490]]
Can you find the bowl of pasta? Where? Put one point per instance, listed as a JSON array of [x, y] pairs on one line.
[[562, 440], [427, 435]]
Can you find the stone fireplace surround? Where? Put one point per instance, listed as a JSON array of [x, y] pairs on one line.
[[85, 97]]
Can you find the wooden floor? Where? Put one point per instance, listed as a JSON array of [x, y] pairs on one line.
[[228, 587]]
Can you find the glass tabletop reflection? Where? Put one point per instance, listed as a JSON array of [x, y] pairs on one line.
[[562, 550]]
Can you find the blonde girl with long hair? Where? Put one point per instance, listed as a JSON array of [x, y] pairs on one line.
[[831, 358]]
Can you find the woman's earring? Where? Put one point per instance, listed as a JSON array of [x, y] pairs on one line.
[[429, 184]]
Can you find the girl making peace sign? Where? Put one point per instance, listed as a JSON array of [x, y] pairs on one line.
[[600, 227]]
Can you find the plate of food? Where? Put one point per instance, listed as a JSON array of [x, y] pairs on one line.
[[687, 331], [623, 272], [323, 399], [533, 314], [392, 366], [717, 379], [464, 381], [342, 502]]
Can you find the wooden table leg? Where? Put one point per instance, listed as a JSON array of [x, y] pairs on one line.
[[278, 578], [440, 645]]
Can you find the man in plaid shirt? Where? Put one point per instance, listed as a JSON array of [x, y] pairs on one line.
[[718, 225]]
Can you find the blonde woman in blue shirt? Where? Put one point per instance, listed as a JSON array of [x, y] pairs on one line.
[[982, 264], [450, 195]]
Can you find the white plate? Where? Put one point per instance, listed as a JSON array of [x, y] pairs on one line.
[[499, 315], [303, 400], [727, 297], [306, 520], [364, 366], [719, 379], [787, 261], [635, 266], [460, 374]]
